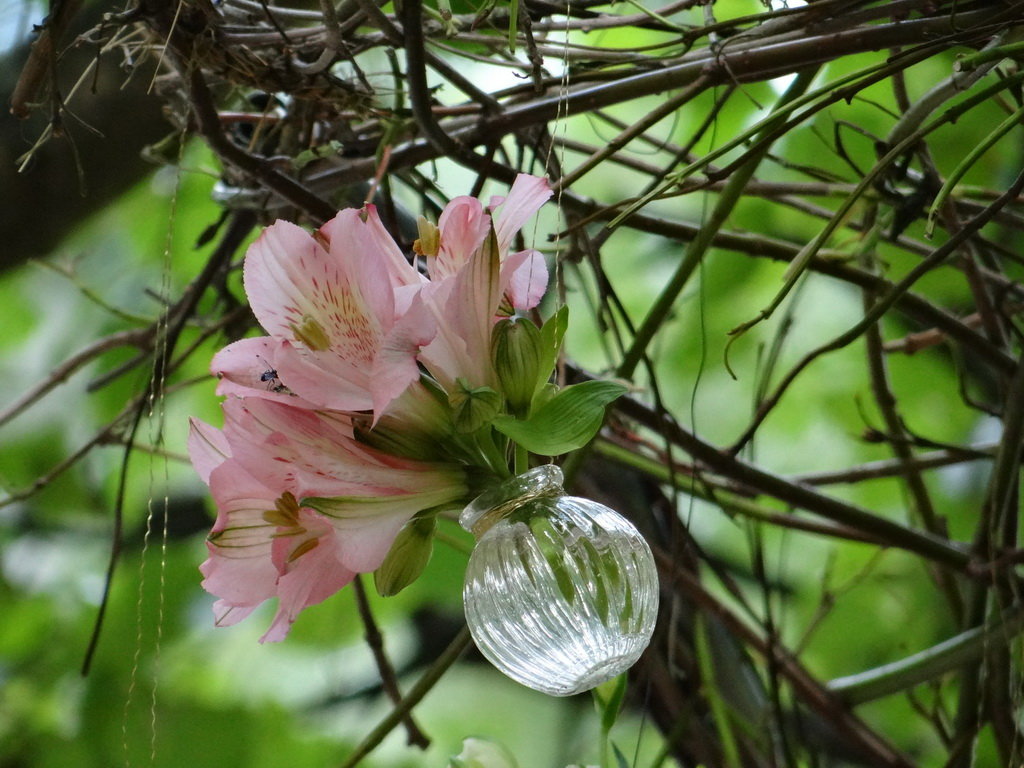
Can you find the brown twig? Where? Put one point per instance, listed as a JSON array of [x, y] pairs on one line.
[[812, 692], [388, 679], [924, 544], [422, 687], [141, 338], [938, 256]]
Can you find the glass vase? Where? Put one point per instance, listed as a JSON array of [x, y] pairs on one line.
[[561, 592]]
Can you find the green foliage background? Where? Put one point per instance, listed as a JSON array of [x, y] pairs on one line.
[[167, 689]]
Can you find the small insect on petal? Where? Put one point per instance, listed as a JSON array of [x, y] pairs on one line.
[[311, 334]]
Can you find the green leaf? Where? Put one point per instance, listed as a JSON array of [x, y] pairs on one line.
[[551, 335], [609, 698], [565, 422], [621, 760], [307, 156]]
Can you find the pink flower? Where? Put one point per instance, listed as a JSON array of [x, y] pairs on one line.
[[305, 498], [472, 276], [302, 506], [342, 311], [348, 317]]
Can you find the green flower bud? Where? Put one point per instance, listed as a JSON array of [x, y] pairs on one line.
[[407, 558], [517, 354]]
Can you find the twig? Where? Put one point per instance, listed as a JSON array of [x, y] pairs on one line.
[[101, 437], [898, 439], [697, 247], [210, 128], [141, 338], [171, 324], [880, 307], [761, 60], [722, 495], [876, 470], [388, 680], [947, 656], [915, 342], [942, 551], [810, 690], [416, 694]]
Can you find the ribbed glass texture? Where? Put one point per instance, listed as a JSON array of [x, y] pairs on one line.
[[561, 592]]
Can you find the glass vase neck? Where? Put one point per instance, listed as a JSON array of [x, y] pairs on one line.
[[493, 504]]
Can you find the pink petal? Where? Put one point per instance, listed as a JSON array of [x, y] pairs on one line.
[[364, 547], [310, 578], [465, 313], [365, 534], [239, 569], [524, 276], [367, 281], [249, 368], [366, 526], [395, 367], [241, 582], [207, 447], [401, 271], [284, 275], [446, 356], [463, 226], [326, 380], [240, 531], [225, 614], [312, 453], [527, 195], [291, 280], [266, 438]]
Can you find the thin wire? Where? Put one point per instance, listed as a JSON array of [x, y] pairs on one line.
[[156, 414], [560, 125]]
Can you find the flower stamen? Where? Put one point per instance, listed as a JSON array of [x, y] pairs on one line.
[[310, 333], [306, 546]]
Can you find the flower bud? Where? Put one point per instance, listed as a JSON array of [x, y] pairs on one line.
[[407, 557], [516, 354]]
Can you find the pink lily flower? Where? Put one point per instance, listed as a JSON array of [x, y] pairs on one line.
[[302, 506], [469, 286], [342, 310]]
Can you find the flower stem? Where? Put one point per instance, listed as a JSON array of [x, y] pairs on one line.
[[490, 454], [521, 459]]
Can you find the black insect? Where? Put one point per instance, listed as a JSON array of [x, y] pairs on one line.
[[270, 377]]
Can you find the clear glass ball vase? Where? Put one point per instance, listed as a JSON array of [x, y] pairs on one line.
[[561, 592]]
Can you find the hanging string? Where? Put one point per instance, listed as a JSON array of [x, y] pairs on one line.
[[156, 420]]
